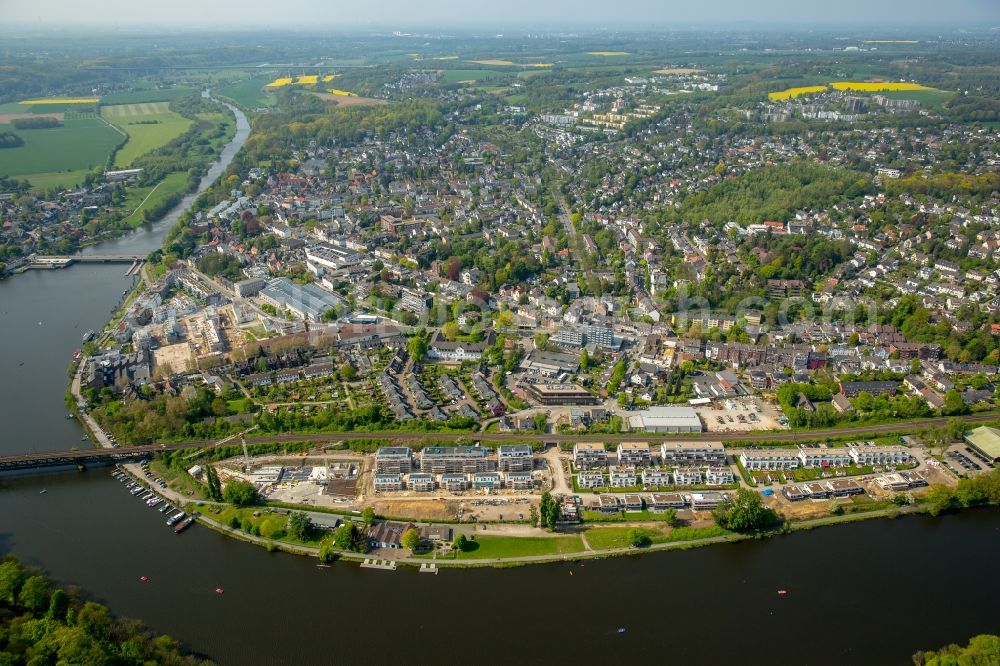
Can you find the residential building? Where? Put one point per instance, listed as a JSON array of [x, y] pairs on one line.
[[688, 454], [515, 458], [863, 454], [719, 476], [829, 457], [632, 503], [656, 478], [519, 480], [587, 455], [487, 480], [621, 477], [388, 482], [634, 454], [660, 502], [393, 459], [420, 482], [776, 459], [455, 483], [608, 504], [707, 501], [446, 459], [688, 476], [590, 479], [387, 534]]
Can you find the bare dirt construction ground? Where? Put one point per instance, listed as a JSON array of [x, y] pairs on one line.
[[800, 510], [177, 356], [345, 100], [7, 117], [679, 71], [417, 509]]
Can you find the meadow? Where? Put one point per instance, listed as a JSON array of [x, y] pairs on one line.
[[149, 125], [141, 198], [249, 93], [80, 143], [139, 96]]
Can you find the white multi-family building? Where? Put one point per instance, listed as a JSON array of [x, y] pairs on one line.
[[774, 459]]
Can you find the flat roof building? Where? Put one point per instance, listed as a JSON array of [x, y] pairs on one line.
[[589, 454], [560, 394], [393, 459], [666, 419], [305, 301], [515, 458], [985, 441], [687, 453], [454, 459]]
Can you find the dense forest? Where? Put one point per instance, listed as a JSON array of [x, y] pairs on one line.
[[41, 623]]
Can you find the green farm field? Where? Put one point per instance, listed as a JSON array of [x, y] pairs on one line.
[[79, 143], [149, 125], [138, 96], [249, 93]]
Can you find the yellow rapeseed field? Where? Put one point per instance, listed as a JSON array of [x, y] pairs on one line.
[[277, 83], [329, 77], [341, 93], [307, 80], [867, 86], [62, 100], [794, 92], [607, 54]]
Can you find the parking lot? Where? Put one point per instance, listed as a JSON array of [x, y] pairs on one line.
[[964, 461], [740, 415]]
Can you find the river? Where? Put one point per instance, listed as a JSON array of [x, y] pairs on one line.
[[866, 593]]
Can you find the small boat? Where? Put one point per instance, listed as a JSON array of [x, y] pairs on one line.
[[87, 337], [219, 590], [183, 525], [621, 630], [144, 579], [69, 416], [174, 519], [43, 491], [84, 438], [782, 593], [165, 508]]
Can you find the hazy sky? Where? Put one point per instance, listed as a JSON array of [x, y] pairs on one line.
[[314, 14]]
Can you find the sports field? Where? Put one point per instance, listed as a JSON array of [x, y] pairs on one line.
[[149, 125], [78, 144]]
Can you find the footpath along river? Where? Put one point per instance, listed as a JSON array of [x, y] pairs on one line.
[[867, 593]]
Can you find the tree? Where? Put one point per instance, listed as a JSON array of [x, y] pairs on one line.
[[417, 346], [953, 403], [34, 594], [368, 515], [459, 543], [745, 513], [327, 552], [58, 605], [411, 539], [541, 420], [450, 331], [299, 525], [584, 361], [939, 498], [638, 538], [349, 537], [240, 493], [11, 579]]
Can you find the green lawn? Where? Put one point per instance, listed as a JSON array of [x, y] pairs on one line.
[[621, 517], [601, 538], [77, 144], [175, 183], [149, 125], [492, 547], [57, 179], [813, 473]]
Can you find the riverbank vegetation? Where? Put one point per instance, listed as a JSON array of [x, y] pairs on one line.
[[982, 650], [42, 623]]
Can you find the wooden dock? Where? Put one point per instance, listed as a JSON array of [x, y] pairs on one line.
[[386, 565], [429, 568]]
